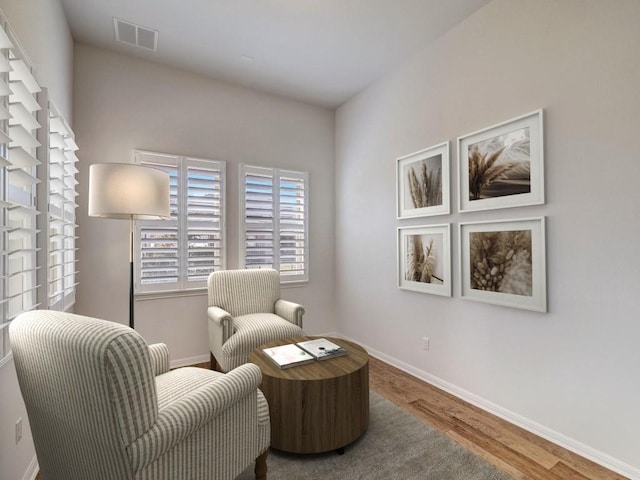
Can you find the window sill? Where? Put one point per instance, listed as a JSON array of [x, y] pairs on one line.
[[295, 284], [197, 292], [144, 296]]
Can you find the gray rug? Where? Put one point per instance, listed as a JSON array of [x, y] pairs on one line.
[[396, 446]]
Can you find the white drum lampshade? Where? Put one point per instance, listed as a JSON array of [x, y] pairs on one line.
[[127, 191]]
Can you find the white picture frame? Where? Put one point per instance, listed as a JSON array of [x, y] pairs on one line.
[[424, 259], [502, 166], [422, 183], [504, 263]]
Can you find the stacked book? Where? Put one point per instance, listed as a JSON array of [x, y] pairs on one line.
[[322, 349], [292, 354]]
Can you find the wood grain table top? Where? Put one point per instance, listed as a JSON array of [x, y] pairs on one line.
[[355, 359]]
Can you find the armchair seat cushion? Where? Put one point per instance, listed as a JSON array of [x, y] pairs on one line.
[[251, 331]]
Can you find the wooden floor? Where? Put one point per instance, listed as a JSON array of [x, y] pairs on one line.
[[514, 451]]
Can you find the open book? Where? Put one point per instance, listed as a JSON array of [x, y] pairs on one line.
[[286, 356], [322, 349]]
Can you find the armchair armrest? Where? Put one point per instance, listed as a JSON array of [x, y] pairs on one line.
[[220, 321], [290, 311], [181, 418], [159, 354]]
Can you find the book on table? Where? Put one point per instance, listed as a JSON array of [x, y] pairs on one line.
[[286, 356], [322, 349]]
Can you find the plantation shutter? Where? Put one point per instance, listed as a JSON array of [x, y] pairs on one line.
[[158, 258], [18, 183], [293, 226], [179, 253], [61, 228], [274, 226], [204, 220], [259, 221]]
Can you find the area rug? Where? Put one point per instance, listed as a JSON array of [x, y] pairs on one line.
[[396, 446]]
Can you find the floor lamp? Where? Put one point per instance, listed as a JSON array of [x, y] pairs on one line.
[[128, 192]]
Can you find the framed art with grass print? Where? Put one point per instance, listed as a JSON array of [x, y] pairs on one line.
[[502, 166], [504, 263], [422, 182], [424, 259]]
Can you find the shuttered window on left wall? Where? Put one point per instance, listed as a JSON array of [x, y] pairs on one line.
[[58, 198], [18, 185], [179, 254]]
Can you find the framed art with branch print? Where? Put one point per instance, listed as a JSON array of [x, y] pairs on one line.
[[422, 182], [502, 166], [504, 263], [424, 259]]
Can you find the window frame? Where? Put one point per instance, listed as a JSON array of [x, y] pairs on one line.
[[20, 237], [182, 164], [276, 175]]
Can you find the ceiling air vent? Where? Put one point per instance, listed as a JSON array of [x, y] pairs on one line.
[[136, 35]]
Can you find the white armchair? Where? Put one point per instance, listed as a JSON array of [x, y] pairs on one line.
[[245, 310], [103, 405]]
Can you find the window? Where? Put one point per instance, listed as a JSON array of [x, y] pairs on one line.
[[18, 184], [274, 227], [180, 253], [59, 193]]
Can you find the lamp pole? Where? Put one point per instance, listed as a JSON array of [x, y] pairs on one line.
[[131, 282]]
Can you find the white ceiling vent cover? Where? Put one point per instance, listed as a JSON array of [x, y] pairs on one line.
[[136, 35]]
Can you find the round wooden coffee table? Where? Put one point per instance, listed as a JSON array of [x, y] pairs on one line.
[[316, 407]]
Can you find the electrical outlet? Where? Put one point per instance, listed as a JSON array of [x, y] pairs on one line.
[[425, 343], [18, 430]]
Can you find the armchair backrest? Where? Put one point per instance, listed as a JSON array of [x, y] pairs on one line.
[[240, 292], [89, 391]]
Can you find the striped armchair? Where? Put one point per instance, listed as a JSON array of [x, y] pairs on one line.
[[245, 311], [103, 405]]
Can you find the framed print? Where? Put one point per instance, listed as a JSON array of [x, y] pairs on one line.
[[424, 259], [502, 166], [422, 182], [504, 263]]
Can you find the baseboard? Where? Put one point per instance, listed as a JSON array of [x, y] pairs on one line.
[[32, 469], [328, 334], [558, 438], [185, 362]]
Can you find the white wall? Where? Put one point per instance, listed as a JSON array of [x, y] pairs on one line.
[[41, 28], [121, 104], [572, 371]]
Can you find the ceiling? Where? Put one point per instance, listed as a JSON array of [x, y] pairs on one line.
[[318, 51]]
